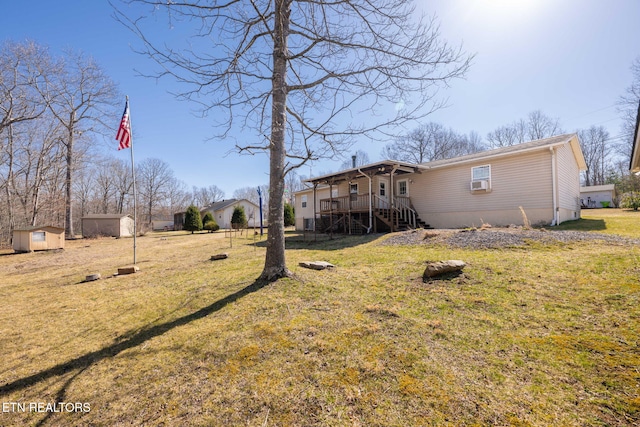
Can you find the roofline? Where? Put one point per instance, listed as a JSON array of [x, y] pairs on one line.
[[571, 138], [491, 154], [367, 166]]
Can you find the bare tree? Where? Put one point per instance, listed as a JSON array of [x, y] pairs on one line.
[[361, 159], [537, 125], [204, 196], [429, 142], [251, 194], [314, 62], [19, 103], [79, 95], [154, 178], [597, 151], [628, 105]]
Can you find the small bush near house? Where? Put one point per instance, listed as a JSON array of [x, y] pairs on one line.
[[630, 200], [211, 225], [238, 218], [192, 220], [207, 217], [289, 217]]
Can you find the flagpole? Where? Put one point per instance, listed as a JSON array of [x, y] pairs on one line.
[[135, 197]]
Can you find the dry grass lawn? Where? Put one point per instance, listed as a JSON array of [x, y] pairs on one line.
[[542, 336]]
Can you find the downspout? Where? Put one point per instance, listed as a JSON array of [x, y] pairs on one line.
[[370, 202], [392, 199], [554, 185]]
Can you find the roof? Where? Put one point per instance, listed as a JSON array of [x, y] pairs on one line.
[[516, 149], [40, 227], [106, 216], [634, 165], [222, 204], [593, 188], [383, 166]]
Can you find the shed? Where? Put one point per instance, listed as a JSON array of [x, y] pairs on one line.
[[114, 225], [38, 239], [598, 196]]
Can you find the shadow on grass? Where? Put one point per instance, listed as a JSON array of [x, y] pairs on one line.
[[298, 240], [583, 225], [135, 340]]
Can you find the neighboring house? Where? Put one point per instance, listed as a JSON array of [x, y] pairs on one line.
[[598, 196], [114, 225], [38, 239], [634, 166], [222, 212], [161, 225], [540, 178]]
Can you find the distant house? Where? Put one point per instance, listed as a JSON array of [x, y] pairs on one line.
[[38, 239], [114, 225], [538, 179], [222, 212], [161, 225], [597, 196]]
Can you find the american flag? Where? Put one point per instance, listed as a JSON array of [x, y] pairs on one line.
[[124, 131]]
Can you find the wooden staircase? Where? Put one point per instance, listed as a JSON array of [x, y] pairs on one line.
[[395, 220]]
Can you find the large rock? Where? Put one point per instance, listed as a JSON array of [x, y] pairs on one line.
[[441, 267], [316, 265]]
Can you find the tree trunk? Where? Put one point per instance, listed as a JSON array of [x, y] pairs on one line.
[[275, 264], [68, 205]]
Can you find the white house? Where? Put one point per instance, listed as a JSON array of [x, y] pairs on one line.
[[538, 179], [222, 212], [598, 196]]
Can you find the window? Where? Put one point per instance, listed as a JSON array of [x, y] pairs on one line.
[[403, 188], [38, 236], [383, 189], [304, 201], [353, 192], [480, 173]]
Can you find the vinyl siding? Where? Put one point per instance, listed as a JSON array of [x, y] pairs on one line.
[[568, 185], [302, 213], [442, 197]]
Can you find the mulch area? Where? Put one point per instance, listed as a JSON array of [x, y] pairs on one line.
[[496, 238]]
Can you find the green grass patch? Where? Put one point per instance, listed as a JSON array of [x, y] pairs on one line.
[[541, 336]]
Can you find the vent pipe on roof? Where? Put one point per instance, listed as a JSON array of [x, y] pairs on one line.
[[353, 161]]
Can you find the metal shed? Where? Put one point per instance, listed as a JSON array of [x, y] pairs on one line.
[[38, 239], [114, 225]]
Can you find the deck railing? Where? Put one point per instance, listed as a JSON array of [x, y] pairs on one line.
[[352, 202]]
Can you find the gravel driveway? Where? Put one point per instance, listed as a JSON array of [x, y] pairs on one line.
[[494, 238]]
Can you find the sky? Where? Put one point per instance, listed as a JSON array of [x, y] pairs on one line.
[[569, 59]]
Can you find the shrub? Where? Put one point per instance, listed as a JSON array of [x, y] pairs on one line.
[[289, 217], [239, 218], [630, 200], [192, 220], [208, 216], [211, 225]]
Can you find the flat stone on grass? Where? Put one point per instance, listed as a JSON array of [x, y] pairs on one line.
[[219, 256], [316, 265], [128, 270]]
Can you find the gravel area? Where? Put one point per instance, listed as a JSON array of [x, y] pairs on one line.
[[495, 238]]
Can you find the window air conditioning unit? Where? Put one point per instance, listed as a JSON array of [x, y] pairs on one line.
[[479, 185]]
